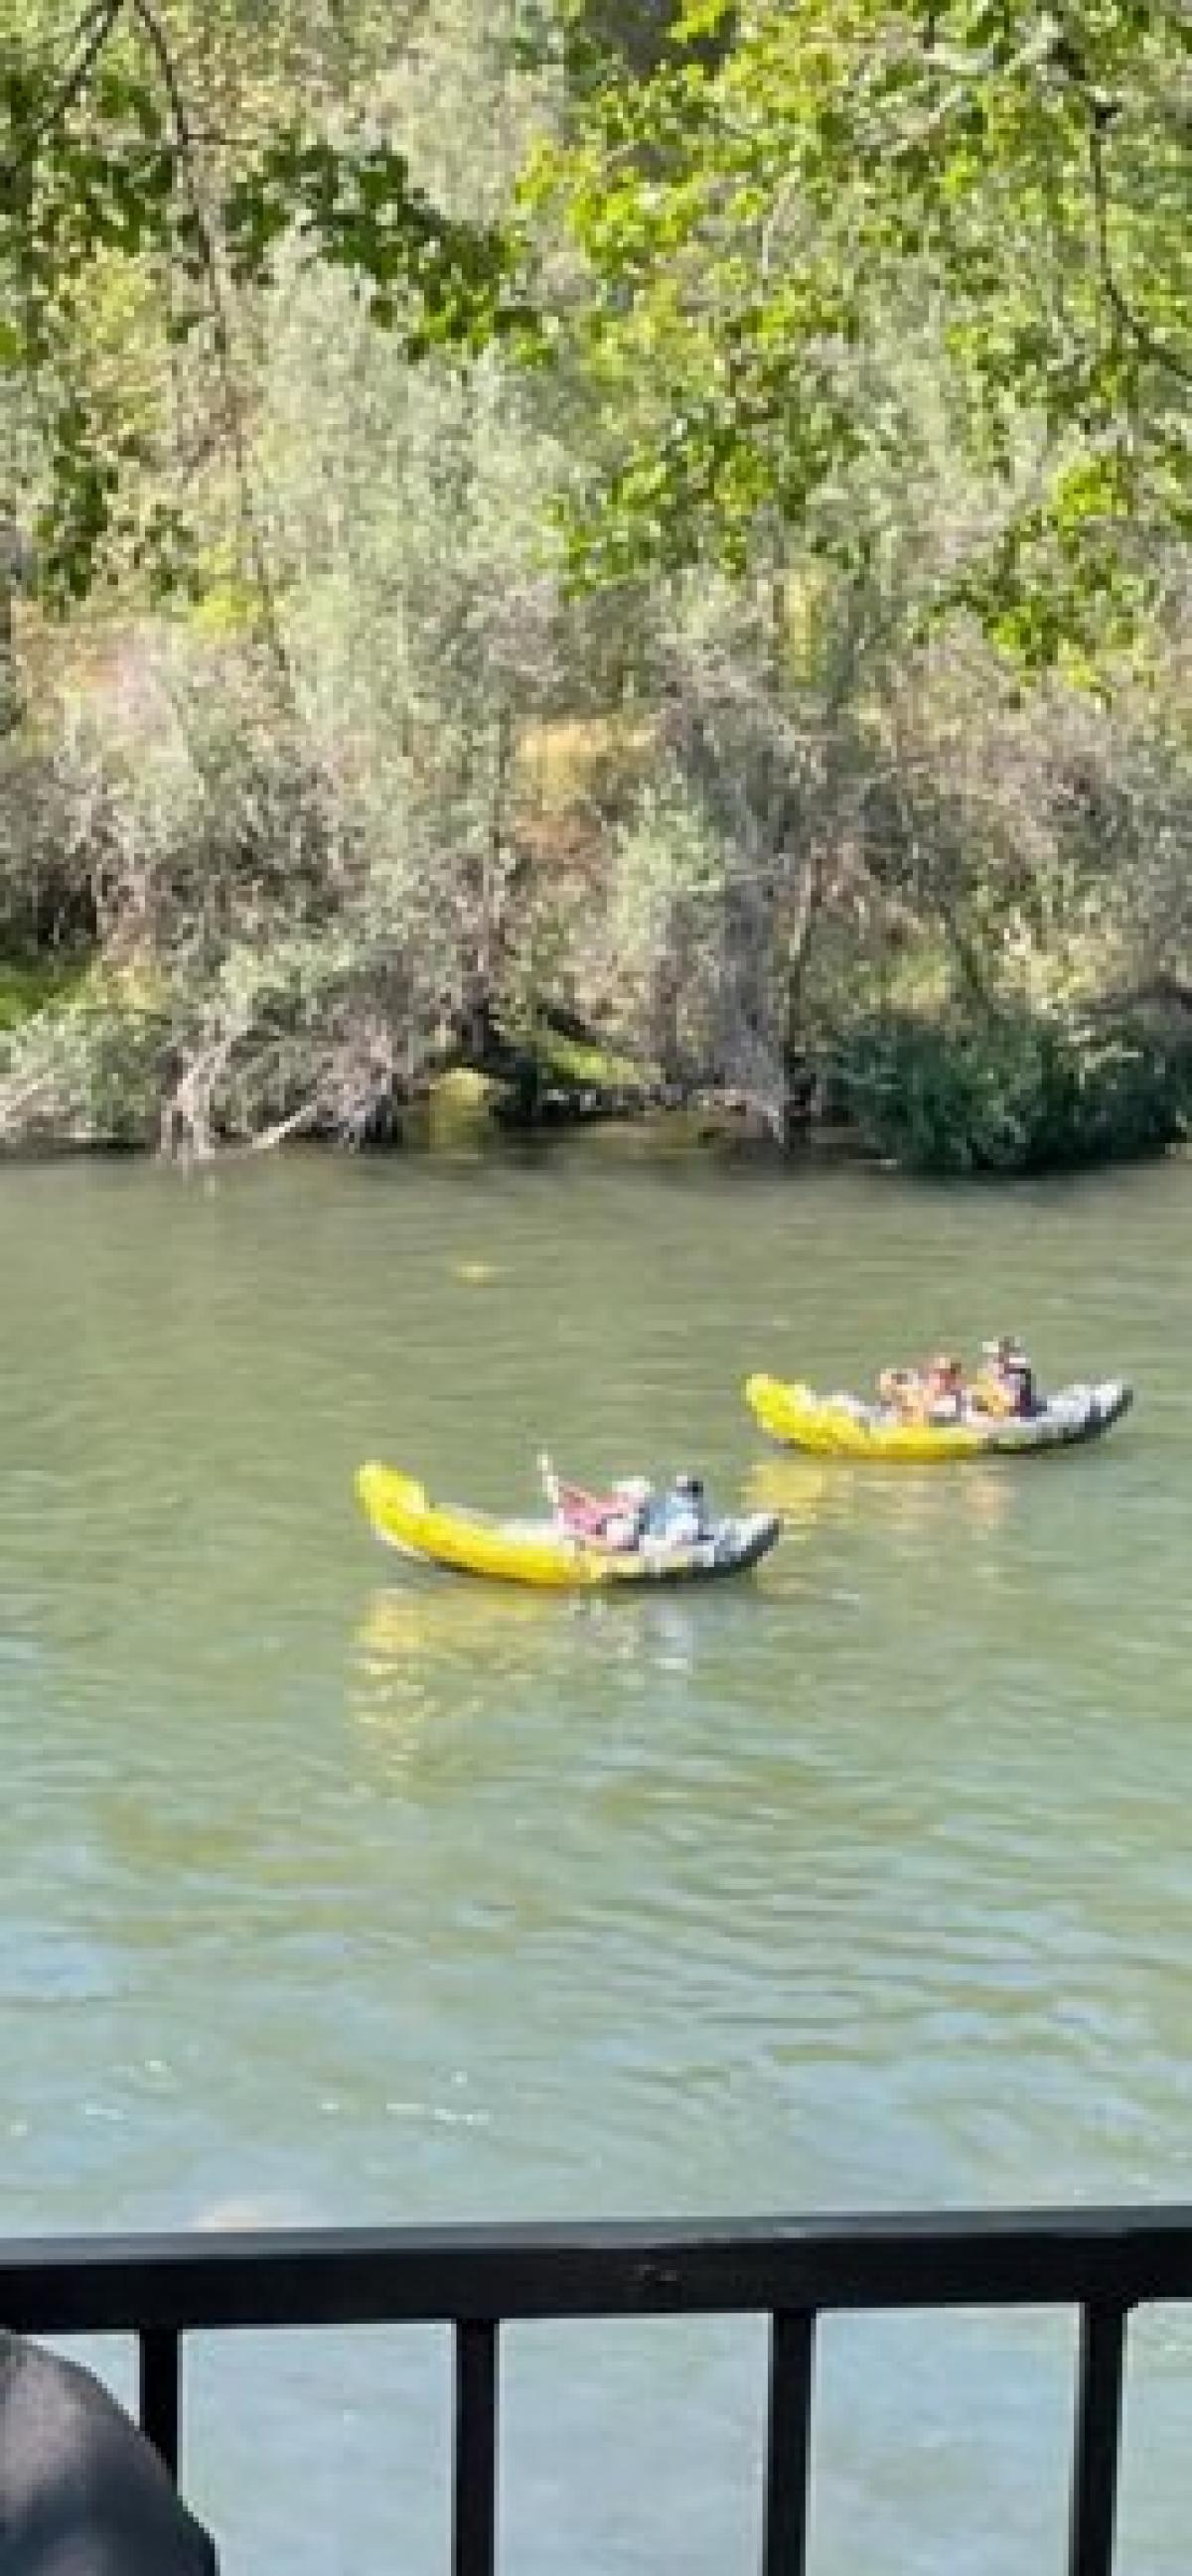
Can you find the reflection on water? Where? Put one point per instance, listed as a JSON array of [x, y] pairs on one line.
[[804, 1491], [427, 1616], [335, 1887], [433, 1642], [798, 1489], [434, 1650]]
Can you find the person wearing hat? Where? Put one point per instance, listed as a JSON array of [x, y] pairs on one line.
[[679, 1518], [1022, 1378], [1005, 1385], [943, 1389]]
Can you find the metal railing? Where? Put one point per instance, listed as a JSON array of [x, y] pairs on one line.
[[1100, 2263]]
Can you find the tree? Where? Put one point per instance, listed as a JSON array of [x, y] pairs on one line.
[[999, 186], [162, 161]]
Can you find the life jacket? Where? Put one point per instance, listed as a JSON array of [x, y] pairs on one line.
[[994, 1394]]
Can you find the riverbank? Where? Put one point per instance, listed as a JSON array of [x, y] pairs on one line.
[[359, 760], [591, 902], [90, 1058]]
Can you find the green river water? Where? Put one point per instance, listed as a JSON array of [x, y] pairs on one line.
[[332, 1890]]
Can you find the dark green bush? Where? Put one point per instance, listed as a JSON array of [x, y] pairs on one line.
[[1013, 1091]]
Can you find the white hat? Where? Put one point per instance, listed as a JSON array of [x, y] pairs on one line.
[[632, 1489]]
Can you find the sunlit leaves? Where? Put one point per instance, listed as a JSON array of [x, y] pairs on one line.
[[105, 165], [360, 211], [1005, 181]]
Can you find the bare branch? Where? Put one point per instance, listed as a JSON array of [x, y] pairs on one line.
[[147, 17], [93, 33], [299, 1123]]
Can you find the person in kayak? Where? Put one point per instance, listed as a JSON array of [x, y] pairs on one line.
[[993, 1389], [1005, 1385], [943, 1390], [1022, 1378], [900, 1391], [615, 1520], [678, 1517]]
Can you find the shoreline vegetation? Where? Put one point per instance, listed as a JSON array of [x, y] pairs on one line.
[[547, 577], [908, 1094]]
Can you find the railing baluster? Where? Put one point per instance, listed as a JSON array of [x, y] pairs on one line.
[[1098, 2438], [474, 2520], [161, 2392], [788, 2443]]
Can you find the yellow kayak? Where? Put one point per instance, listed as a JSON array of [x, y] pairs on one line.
[[840, 1426], [401, 1514]]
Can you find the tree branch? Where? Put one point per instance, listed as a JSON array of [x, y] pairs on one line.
[[1119, 304], [148, 19], [93, 32]]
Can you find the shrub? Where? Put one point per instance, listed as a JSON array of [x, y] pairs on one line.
[[1012, 1091]]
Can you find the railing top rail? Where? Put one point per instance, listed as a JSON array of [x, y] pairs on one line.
[[1112, 2257]]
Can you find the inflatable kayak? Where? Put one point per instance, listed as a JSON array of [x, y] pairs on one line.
[[535, 1551], [840, 1426]]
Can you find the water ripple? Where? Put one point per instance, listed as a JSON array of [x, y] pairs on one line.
[[332, 1890]]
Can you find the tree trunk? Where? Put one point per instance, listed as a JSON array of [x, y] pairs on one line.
[[10, 698], [795, 1071]]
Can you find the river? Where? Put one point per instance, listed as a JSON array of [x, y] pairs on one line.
[[335, 1891]]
